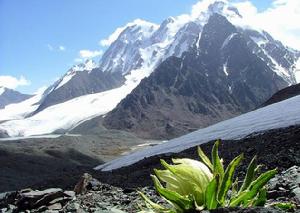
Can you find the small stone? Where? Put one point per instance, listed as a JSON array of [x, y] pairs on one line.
[[32, 194], [57, 200], [42, 209], [56, 206], [70, 194], [26, 190]]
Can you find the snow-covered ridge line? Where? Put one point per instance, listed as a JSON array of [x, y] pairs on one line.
[[22, 109], [278, 115], [60, 117]]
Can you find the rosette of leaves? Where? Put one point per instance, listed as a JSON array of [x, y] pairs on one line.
[[189, 185]]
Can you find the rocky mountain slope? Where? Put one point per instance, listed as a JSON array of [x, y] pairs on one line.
[[9, 96], [217, 79], [279, 115], [284, 94], [80, 80]]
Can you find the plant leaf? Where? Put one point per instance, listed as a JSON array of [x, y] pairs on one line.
[[253, 189], [257, 170], [285, 206], [183, 202], [227, 180], [204, 158], [261, 198], [216, 161], [189, 173], [211, 194], [234, 187], [250, 175], [153, 205]]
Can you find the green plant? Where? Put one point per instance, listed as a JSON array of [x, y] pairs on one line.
[[190, 185], [289, 206]]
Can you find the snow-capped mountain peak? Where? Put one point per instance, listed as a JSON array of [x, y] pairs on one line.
[[204, 9], [141, 43], [88, 65]]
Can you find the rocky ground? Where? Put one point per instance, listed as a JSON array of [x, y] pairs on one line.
[[117, 190], [58, 162], [275, 148], [90, 195]]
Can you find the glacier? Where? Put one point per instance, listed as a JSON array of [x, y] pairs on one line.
[[66, 115], [278, 115]]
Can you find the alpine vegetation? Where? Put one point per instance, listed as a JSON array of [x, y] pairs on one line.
[[191, 185]]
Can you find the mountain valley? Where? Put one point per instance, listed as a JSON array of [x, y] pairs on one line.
[[158, 91]]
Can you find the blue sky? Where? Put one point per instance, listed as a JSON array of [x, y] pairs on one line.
[[40, 39]]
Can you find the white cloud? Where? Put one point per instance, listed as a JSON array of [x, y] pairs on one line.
[[112, 37], [13, 82], [246, 8], [281, 20], [50, 47], [56, 48], [108, 41], [78, 60], [62, 48], [202, 6], [89, 53]]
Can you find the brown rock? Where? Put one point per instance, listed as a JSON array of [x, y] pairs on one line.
[[81, 186]]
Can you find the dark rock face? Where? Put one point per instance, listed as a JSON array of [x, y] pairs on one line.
[[217, 79], [10, 96], [284, 94], [273, 52], [82, 83]]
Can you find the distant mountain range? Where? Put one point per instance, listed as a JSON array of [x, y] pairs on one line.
[[9, 96], [162, 81]]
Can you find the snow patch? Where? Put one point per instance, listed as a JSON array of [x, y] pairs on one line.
[[138, 22], [58, 117], [2, 90], [228, 39], [65, 79], [88, 65], [20, 110], [278, 115], [225, 69], [279, 70], [297, 71], [259, 40]]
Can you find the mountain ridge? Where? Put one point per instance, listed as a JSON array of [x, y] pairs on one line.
[[152, 45], [10, 96], [172, 101]]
